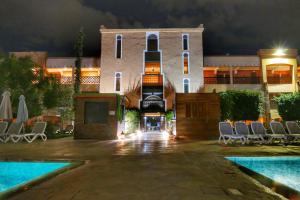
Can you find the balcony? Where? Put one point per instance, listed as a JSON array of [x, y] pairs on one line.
[[216, 80], [85, 80], [152, 80], [236, 80], [279, 80], [246, 80]]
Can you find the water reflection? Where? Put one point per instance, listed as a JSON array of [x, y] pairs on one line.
[[146, 143]]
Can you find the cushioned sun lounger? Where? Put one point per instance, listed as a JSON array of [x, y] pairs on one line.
[[242, 129], [259, 129], [227, 134], [38, 130], [293, 129], [15, 128], [3, 127], [278, 131]]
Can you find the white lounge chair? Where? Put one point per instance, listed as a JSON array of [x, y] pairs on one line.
[[278, 131], [293, 129], [15, 128], [227, 134], [259, 130], [3, 127], [242, 129], [38, 130]]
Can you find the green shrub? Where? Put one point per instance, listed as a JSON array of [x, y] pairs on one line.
[[169, 115], [132, 121], [51, 130], [227, 103], [240, 105], [288, 106]]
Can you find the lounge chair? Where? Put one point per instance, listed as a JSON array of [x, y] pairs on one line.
[[3, 127], [278, 131], [227, 133], [293, 129], [15, 128], [68, 130], [242, 129], [38, 130], [259, 130]]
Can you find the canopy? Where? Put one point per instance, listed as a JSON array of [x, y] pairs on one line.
[[22, 115], [5, 106]]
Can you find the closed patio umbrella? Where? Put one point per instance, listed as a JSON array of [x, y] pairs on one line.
[[5, 106], [22, 115]]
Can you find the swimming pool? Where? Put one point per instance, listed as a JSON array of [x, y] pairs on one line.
[[281, 169], [15, 174]]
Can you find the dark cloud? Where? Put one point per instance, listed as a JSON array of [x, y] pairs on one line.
[[232, 26], [49, 25]]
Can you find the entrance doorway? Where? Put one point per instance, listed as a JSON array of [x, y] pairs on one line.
[[153, 122]]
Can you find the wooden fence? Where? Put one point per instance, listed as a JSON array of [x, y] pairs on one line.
[[197, 115]]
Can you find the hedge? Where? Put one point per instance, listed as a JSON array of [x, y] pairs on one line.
[[288, 106], [239, 105]]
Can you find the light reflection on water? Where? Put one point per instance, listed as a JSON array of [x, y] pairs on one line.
[[148, 143]]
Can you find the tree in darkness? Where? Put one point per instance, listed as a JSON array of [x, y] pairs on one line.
[[78, 47]]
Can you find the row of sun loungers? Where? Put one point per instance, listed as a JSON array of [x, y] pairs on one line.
[[240, 132], [14, 134]]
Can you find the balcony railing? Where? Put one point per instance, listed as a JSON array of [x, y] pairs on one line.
[[236, 80], [90, 80], [152, 80], [85, 80], [279, 80], [246, 80], [217, 80]]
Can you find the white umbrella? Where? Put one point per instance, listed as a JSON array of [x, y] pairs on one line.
[[5, 107], [22, 115]]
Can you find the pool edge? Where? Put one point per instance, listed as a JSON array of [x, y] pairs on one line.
[[27, 186], [280, 188]]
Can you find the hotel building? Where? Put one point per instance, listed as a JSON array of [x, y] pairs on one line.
[[149, 66]]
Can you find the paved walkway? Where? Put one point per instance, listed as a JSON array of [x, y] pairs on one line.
[[143, 169]]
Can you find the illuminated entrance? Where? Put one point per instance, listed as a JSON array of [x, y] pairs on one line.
[[153, 122]]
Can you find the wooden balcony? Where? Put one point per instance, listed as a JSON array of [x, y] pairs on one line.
[[280, 80], [152, 80], [236, 80]]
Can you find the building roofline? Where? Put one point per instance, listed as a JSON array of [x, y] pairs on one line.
[[103, 29], [230, 56], [71, 57]]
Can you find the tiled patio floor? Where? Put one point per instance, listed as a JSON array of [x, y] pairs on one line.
[[143, 169]]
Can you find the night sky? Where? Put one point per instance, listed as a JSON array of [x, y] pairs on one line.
[[231, 26]]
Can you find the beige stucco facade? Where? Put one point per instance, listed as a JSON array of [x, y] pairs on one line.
[[289, 58], [131, 64]]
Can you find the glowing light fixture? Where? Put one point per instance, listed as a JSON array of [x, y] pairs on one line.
[[279, 52], [165, 135], [139, 133]]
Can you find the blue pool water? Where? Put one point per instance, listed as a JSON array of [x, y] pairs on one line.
[[13, 174], [284, 170]]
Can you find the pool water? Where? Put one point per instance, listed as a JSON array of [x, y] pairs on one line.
[[13, 174], [284, 170]]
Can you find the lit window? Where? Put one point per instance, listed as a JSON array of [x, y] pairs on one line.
[[186, 85], [185, 42], [118, 77], [152, 42], [119, 46], [186, 63]]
